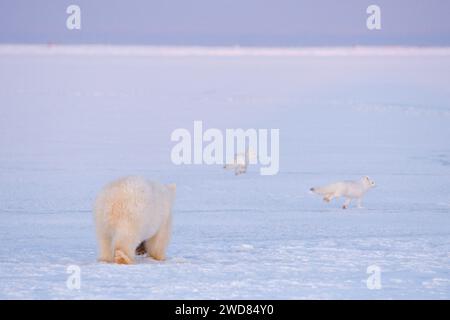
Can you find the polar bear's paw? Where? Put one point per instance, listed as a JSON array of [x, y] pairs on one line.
[[121, 258], [141, 250]]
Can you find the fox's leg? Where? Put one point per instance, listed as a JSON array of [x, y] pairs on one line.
[[328, 197], [360, 203], [240, 169], [346, 203], [156, 245]]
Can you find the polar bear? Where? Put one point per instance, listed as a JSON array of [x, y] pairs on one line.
[[130, 211], [347, 189]]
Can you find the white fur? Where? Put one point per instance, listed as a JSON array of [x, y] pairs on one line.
[[241, 162], [131, 210], [347, 189]]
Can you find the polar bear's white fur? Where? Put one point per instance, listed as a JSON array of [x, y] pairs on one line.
[[129, 211]]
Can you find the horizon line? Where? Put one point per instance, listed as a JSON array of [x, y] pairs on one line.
[[224, 51]]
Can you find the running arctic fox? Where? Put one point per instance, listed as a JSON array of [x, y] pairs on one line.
[[130, 211], [347, 189], [241, 162]]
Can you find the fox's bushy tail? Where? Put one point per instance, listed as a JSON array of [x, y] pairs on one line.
[[317, 190]]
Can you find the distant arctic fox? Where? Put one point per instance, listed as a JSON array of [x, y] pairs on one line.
[[129, 211], [241, 162], [347, 189]]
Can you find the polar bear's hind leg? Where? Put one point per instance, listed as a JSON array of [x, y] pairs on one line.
[[106, 254], [156, 245], [122, 258], [124, 250]]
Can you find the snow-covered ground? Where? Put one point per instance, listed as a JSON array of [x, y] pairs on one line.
[[69, 123]]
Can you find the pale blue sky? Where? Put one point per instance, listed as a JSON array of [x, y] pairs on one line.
[[227, 22]]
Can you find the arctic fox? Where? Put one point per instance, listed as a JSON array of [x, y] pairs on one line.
[[347, 189], [129, 211], [241, 162]]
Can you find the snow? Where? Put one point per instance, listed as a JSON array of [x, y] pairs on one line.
[[70, 122], [217, 51]]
